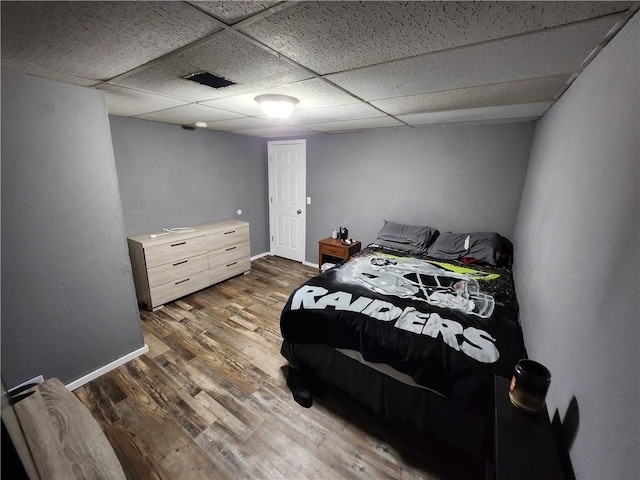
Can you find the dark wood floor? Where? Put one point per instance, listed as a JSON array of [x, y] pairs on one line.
[[209, 400]]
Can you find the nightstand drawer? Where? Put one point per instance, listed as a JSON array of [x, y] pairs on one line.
[[335, 251]]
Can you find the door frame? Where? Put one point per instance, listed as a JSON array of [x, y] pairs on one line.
[[271, 193]]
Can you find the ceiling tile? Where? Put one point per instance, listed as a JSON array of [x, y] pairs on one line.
[[233, 12], [330, 37], [44, 72], [551, 52], [523, 91], [277, 131], [189, 114], [357, 124], [100, 39], [311, 93], [326, 114], [245, 123], [126, 102], [507, 112], [225, 55]]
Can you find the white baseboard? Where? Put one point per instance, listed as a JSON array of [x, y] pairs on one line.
[[260, 256], [38, 379], [308, 264], [107, 368]]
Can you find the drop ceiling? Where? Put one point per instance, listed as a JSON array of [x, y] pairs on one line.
[[353, 65]]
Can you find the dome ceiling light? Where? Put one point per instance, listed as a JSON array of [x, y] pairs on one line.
[[277, 106]]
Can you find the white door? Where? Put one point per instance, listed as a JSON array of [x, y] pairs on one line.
[[287, 192]]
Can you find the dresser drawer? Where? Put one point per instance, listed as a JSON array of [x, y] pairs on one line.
[[229, 254], [179, 288], [170, 272], [171, 252], [228, 270], [227, 238]]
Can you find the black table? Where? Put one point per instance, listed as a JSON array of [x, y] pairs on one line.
[[525, 448]]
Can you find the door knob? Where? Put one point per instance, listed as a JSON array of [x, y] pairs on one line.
[[299, 212]]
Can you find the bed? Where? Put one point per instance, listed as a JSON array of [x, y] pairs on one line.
[[415, 326]]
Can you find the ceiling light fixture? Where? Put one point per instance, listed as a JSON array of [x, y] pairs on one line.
[[277, 106], [201, 124]]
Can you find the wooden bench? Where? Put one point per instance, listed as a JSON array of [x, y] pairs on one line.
[[61, 439]]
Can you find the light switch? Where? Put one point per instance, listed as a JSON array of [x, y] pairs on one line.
[[308, 200]]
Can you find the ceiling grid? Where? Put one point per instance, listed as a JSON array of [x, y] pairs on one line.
[[353, 65]]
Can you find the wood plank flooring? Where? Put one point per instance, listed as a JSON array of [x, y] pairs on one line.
[[209, 400]]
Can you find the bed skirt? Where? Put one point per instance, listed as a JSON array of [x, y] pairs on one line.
[[391, 397]]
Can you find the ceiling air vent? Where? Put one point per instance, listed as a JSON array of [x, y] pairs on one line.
[[209, 79]]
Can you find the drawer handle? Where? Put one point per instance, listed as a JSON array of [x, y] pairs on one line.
[[182, 281], [228, 265], [230, 248], [232, 231], [180, 263], [176, 244]]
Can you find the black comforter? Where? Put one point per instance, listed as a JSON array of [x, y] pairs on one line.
[[449, 326]]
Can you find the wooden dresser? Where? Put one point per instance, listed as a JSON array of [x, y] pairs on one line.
[[166, 267]]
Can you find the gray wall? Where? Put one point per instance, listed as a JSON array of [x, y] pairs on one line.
[[68, 301], [577, 258], [455, 178], [172, 177]]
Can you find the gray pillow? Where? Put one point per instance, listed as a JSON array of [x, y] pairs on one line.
[[406, 238], [483, 246]]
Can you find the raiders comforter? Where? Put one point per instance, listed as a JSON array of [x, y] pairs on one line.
[[449, 326]]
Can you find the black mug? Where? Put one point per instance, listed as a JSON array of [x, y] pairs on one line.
[[529, 385]]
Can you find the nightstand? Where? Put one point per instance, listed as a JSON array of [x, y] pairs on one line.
[[333, 247], [525, 447]]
